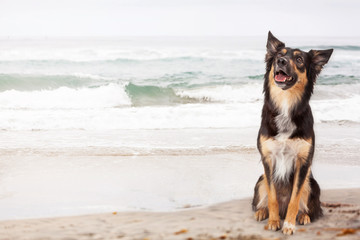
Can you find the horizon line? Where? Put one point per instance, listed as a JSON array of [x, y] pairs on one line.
[[167, 36]]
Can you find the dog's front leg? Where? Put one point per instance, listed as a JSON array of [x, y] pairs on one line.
[[302, 171], [265, 145], [273, 205]]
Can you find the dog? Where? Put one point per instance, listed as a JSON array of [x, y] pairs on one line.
[[287, 189]]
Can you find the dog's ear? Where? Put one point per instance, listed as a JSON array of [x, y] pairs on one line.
[[319, 58], [273, 45]]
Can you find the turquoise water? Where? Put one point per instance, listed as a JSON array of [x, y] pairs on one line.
[[111, 77]]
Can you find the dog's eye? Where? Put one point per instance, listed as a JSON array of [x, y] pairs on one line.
[[299, 59]]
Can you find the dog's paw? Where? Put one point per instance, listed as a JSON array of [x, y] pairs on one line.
[[303, 219], [273, 225], [288, 228], [261, 214]]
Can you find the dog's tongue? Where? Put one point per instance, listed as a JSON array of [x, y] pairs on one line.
[[280, 77]]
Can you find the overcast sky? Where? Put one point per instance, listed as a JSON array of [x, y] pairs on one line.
[[179, 17]]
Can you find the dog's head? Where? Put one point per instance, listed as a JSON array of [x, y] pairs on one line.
[[288, 66]]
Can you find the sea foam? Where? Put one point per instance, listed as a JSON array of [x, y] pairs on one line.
[[156, 83]]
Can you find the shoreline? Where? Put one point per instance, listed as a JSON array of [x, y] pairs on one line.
[[61, 173], [227, 220]]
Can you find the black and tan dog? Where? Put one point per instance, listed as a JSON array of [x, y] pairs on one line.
[[286, 138]]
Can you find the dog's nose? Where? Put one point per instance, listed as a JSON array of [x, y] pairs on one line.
[[282, 61]]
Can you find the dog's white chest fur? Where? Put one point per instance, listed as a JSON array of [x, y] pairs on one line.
[[284, 150]]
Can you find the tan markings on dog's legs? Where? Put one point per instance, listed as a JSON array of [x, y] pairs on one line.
[[265, 147], [262, 195], [273, 205], [303, 207], [262, 214], [303, 219], [262, 206], [293, 207], [303, 146], [296, 195]]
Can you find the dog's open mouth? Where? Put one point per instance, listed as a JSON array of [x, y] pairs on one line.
[[282, 77]]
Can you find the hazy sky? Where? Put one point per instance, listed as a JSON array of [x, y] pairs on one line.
[[178, 17]]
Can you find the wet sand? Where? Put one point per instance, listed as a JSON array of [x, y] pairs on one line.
[[228, 220]]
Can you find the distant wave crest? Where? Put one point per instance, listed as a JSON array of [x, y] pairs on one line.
[[33, 82], [339, 47], [154, 95]]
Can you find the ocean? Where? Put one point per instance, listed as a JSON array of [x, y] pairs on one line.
[[151, 123], [152, 83]]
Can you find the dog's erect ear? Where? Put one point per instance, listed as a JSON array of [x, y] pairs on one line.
[[319, 58], [273, 44]]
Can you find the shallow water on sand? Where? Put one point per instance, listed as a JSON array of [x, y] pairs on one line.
[[82, 172]]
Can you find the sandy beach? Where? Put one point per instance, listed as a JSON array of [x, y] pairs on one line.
[[228, 220]]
